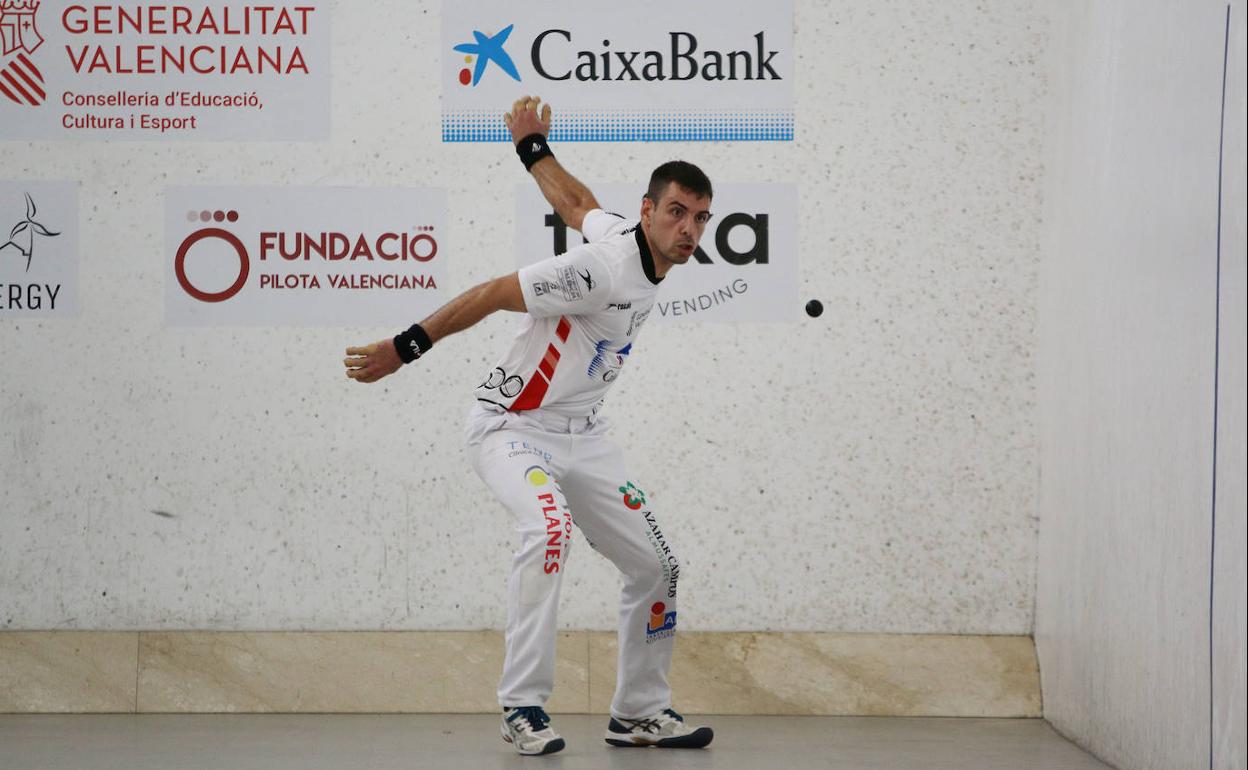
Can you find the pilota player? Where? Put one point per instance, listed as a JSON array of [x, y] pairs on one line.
[[536, 438]]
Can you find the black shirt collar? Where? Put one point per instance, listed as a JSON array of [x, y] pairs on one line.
[[647, 259]]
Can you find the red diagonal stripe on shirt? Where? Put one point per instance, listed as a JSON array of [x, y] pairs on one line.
[[549, 362], [533, 393]]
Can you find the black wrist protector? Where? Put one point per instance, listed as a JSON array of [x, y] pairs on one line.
[[412, 344], [533, 148]]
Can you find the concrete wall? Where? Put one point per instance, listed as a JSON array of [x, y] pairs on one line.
[[1129, 359], [871, 470]]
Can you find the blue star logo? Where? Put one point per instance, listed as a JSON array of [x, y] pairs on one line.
[[488, 49]]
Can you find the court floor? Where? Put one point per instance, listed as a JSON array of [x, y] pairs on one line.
[[472, 742]]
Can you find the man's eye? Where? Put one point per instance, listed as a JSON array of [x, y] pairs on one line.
[[703, 218]]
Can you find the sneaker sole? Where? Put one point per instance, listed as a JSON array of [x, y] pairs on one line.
[[699, 738]]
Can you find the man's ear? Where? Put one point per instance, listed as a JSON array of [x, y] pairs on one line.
[[647, 208]]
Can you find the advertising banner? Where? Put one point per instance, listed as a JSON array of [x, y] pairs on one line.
[[640, 71], [223, 70], [38, 249], [276, 256], [745, 268]]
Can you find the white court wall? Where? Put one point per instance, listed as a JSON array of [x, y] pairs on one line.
[[870, 470], [1130, 353]]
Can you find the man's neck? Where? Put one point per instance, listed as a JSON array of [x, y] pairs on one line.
[[661, 263]]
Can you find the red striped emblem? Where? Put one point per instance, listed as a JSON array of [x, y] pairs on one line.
[[22, 82]]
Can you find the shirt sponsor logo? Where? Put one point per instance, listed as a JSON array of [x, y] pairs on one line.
[[568, 283], [508, 385], [638, 318], [607, 363], [542, 288]]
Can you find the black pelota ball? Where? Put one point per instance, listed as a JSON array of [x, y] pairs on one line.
[[814, 308]]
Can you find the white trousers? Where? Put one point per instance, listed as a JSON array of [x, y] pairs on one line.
[[551, 472]]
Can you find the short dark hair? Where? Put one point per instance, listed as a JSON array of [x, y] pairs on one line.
[[682, 173]]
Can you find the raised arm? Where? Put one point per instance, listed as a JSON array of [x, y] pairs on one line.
[[570, 199], [370, 363]]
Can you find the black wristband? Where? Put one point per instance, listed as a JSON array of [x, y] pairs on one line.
[[412, 344], [531, 149]]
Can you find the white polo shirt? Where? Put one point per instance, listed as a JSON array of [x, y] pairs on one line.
[[585, 309]]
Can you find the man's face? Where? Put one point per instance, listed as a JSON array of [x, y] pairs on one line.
[[675, 224]]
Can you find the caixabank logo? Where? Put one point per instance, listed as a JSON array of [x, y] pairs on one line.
[[38, 248], [314, 260], [479, 55], [697, 75], [21, 82]]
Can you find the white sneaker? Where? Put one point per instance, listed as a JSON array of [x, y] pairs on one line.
[[666, 729], [528, 729]]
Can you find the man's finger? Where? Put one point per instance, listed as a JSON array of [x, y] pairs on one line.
[[507, 119], [546, 115], [359, 351], [354, 363]]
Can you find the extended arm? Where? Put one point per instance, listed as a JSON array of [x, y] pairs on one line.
[[570, 199], [372, 362]]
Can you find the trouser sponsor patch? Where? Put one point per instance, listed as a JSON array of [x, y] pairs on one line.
[[662, 623]]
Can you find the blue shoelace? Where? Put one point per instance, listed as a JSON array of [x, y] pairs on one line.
[[534, 715]]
